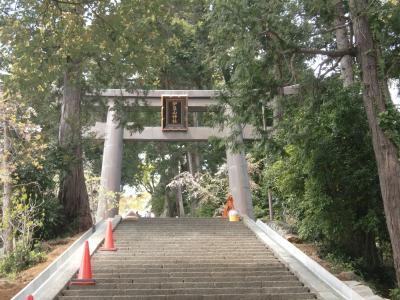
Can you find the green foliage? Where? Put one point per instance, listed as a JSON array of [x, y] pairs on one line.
[[37, 193], [259, 211], [184, 68], [20, 259], [208, 209], [158, 199], [390, 123], [326, 178], [52, 221], [395, 294], [339, 264]]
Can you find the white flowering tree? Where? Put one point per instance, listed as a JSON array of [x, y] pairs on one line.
[[211, 188]]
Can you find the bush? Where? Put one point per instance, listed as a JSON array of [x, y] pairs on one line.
[[340, 263], [259, 212], [53, 220], [20, 259], [207, 209], [395, 294]]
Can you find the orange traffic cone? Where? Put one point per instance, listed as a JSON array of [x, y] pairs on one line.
[[29, 297], [85, 271], [109, 242]]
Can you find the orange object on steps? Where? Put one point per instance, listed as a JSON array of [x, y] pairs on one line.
[[85, 271], [109, 242], [228, 206]]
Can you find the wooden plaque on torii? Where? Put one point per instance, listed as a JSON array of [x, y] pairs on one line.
[[174, 113]]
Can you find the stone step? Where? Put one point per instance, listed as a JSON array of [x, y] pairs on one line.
[[204, 238], [183, 231], [143, 234], [233, 238], [183, 219], [167, 266], [129, 269], [193, 227], [180, 252], [127, 253], [177, 231], [191, 244], [173, 252], [196, 260], [210, 239], [190, 264], [132, 274], [185, 228], [251, 296], [87, 291], [206, 242], [179, 285], [188, 259], [166, 258], [229, 278], [148, 249], [185, 246], [171, 270]]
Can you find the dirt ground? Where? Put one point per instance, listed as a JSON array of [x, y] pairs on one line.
[[312, 251], [8, 288]]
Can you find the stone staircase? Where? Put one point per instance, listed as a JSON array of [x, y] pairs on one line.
[[187, 258]]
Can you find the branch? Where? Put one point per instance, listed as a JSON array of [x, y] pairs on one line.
[[67, 2], [330, 53], [294, 77], [270, 33], [295, 49], [322, 64], [331, 29], [331, 68]]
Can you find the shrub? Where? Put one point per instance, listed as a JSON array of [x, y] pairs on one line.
[[20, 259], [53, 220], [395, 294]]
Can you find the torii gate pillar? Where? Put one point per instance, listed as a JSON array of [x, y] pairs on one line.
[[110, 182], [239, 182]]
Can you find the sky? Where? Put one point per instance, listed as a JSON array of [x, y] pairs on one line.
[[394, 92]]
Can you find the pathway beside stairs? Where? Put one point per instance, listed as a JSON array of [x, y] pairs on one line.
[[188, 258]]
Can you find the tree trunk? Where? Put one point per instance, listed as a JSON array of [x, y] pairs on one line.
[[165, 212], [277, 109], [342, 41], [386, 153], [270, 206], [7, 235], [179, 201], [190, 163], [364, 246], [73, 193]]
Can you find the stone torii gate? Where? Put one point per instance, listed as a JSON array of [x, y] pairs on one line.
[[197, 100]]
